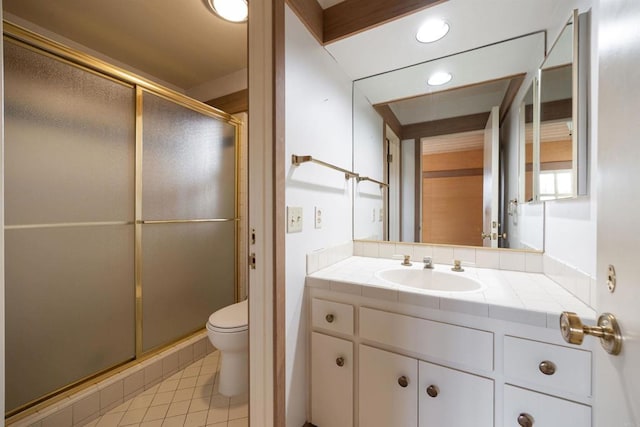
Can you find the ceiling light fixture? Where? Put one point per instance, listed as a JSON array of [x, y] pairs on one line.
[[439, 78], [230, 10], [432, 30]]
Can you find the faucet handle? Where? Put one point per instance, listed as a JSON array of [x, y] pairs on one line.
[[457, 265], [428, 262], [407, 260]]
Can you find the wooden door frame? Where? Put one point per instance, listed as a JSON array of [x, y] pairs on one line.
[[266, 150]]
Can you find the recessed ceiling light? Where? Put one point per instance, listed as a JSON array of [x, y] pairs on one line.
[[230, 10], [432, 30], [439, 78]]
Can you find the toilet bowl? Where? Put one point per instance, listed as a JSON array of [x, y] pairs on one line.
[[228, 331]]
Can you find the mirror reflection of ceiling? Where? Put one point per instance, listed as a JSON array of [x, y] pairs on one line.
[[463, 141], [555, 130], [474, 23], [496, 61], [458, 102], [181, 43], [561, 53], [556, 84]]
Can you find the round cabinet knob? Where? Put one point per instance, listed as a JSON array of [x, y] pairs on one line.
[[433, 391], [340, 361], [525, 420], [329, 318], [403, 381], [547, 367]]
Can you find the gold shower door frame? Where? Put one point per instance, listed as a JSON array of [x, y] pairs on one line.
[[45, 46]]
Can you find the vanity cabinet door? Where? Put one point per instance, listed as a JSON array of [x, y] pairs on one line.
[[388, 387], [447, 397], [528, 408], [331, 381]]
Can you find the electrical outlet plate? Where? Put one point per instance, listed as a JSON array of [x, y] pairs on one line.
[[294, 219], [318, 218]]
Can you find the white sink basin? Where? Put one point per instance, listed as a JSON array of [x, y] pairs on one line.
[[431, 280]]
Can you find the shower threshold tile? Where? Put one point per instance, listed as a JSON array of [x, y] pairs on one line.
[[188, 398]]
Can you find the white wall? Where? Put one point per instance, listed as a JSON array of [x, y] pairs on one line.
[[318, 123], [368, 148], [570, 225]]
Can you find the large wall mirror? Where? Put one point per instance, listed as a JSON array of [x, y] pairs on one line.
[[438, 146]]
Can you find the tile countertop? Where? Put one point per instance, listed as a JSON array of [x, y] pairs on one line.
[[530, 298]]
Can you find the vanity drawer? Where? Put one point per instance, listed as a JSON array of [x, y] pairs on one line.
[[455, 345], [332, 316], [567, 369], [543, 410]]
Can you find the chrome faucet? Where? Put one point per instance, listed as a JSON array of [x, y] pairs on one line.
[[428, 262], [457, 265]]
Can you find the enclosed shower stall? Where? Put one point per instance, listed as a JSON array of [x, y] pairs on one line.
[[120, 217]]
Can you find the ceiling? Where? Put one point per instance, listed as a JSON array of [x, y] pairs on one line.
[[474, 23], [185, 46], [181, 43]]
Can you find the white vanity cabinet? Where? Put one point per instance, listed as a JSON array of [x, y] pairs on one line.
[[388, 389], [332, 367], [447, 397], [404, 366]]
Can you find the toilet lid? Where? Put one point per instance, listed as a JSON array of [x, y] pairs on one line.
[[231, 317]]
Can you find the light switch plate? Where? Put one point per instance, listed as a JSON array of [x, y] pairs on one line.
[[294, 219], [318, 218]]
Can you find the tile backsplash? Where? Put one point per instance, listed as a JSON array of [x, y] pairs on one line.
[[476, 257], [579, 283], [322, 258]]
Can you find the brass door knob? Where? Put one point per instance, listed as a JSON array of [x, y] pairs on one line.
[[525, 420], [573, 331], [329, 318], [340, 361], [433, 391], [403, 381], [547, 367]]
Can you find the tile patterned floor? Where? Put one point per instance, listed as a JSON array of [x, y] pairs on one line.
[[189, 398]]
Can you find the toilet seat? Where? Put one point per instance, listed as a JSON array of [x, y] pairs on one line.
[[233, 318]]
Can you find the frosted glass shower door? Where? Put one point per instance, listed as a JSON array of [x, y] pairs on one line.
[[188, 212], [69, 233]]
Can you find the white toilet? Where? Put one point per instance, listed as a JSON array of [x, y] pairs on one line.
[[228, 331]]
